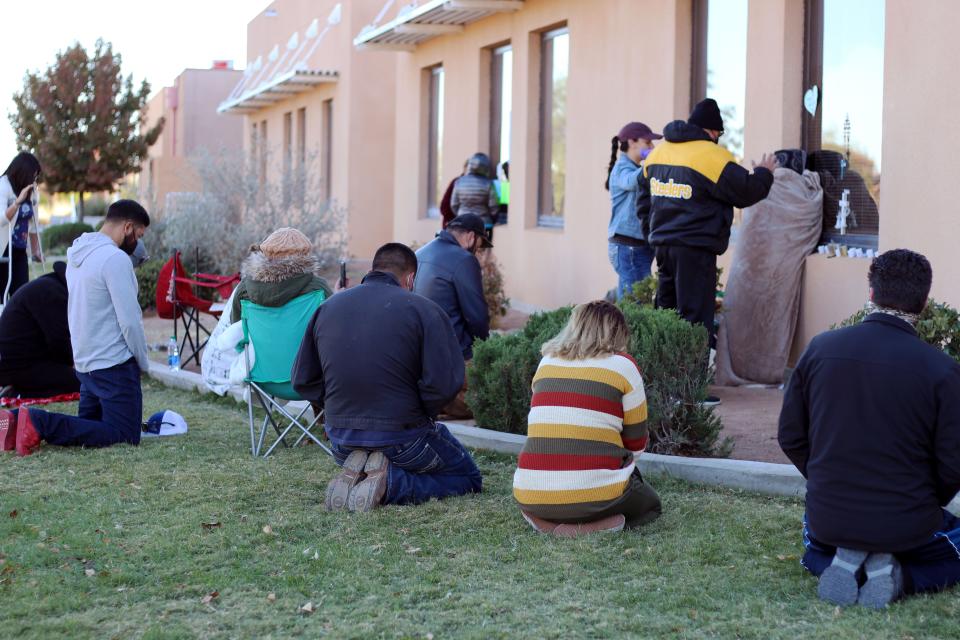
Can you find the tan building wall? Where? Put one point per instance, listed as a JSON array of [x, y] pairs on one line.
[[629, 59], [192, 125], [363, 105], [545, 267]]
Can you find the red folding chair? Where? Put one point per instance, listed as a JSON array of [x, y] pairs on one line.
[[181, 303]]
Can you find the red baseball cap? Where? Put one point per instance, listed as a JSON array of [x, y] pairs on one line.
[[637, 131]]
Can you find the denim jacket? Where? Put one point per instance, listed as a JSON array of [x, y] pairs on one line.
[[623, 199]]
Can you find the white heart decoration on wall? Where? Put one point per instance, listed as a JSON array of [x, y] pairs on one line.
[[811, 99]]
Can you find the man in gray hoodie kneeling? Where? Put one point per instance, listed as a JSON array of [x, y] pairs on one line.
[[109, 347]]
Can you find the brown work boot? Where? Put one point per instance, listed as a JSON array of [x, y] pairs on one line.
[[368, 494], [610, 524], [339, 488]]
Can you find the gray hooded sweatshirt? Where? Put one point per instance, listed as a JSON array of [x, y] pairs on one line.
[[106, 326]]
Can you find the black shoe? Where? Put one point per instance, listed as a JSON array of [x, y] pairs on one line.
[[710, 401]]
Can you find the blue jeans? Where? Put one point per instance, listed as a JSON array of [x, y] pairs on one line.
[[932, 566], [632, 264], [110, 412], [435, 465]]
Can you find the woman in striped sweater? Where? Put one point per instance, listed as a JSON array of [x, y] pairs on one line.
[[576, 473]]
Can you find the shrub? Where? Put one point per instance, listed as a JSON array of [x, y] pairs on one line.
[[939, 325], [147, 274], [235, 209], [493, 292], [58, 238], [671, 352]]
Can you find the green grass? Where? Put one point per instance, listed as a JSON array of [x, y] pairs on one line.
[[717, 564]]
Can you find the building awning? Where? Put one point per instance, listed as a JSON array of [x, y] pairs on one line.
[[280, 88], [415, 24]]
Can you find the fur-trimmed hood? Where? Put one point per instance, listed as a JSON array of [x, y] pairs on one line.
[[258, 267]]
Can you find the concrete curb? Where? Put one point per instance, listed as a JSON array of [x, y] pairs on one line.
[[759, 477]]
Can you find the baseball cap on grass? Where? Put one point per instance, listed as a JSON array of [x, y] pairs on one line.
[[164, 423], [471, 222]]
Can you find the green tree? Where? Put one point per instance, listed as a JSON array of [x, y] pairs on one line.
[[84, 121]]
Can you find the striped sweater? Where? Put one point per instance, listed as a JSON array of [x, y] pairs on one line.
[[587, 418]]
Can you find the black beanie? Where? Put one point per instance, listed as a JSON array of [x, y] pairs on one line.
[[706, 115]]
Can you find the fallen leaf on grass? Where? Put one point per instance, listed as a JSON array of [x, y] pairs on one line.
[[14, 513], [782, 557], [836, 612], [209, 525], [90, 572], [307, 609], [267, 529], [271, 597], [210, 597], [316, 555], [410, 549], [629, 551]]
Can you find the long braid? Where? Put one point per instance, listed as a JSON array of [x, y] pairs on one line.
[[615, 145]]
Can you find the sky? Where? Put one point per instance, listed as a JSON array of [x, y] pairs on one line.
[[155, 44]]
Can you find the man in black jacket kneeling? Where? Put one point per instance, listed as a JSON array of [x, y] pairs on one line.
[[382, 362], [36, 357], [871, 418]]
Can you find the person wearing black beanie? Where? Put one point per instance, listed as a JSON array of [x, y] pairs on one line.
[[687, 192]]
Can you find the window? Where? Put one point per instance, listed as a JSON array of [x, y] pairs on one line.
[[302, 137], [554, 69], [501, 101], [720, 64], [843, 113], [287, 156], [327, 149], [435, 186], [263, 152]]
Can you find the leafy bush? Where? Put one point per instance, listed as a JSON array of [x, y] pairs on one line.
[[643, 292], [939, 325], [58, 238], [147, 274], [672, 354], [236, 209], [493, 292]]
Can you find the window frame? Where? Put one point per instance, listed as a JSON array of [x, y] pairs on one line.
[[326, 152], [544, 171], [811, 127], [435, 85], [496, 99]]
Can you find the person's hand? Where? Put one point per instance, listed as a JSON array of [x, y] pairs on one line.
[[768, 162], [341, 286], [25, 193], [37, 258]]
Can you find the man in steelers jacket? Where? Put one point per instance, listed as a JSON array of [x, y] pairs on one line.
[[687, 192]]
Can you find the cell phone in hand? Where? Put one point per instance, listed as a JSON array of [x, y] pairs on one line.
[[343, 274]]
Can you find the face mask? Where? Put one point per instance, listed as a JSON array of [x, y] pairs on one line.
[[129, 244], [645, 152], [139, 254]]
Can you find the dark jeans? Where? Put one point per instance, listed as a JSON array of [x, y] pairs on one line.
[[930, 567], [40, 378], [639, 504], [19, 266], [687, 282], [110, 412], [434, 465], [632, 264]]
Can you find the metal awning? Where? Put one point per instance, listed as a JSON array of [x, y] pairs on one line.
[[280, 88], [415, 24]]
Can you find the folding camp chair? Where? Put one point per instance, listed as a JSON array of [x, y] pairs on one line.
[[275, 334], [182, 304]]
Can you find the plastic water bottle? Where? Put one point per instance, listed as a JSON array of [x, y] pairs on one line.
[[173, 354]]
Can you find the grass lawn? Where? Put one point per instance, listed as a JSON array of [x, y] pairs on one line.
[[131, 543]]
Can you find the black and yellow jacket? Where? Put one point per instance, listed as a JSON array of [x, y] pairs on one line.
[[689, 187]]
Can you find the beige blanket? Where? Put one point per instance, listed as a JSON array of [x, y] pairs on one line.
[[762, 299]]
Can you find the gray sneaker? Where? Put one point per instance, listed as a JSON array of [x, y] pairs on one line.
[[368, 494], [838, 582], [338, 491], [884, 581]]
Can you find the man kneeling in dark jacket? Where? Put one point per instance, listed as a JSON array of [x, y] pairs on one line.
[[382, 362], [871, 418], [36, 357]]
